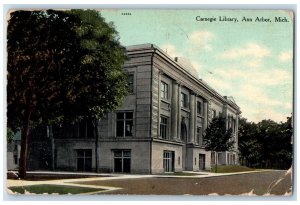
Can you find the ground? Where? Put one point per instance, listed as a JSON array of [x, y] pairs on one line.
[[234, 184], [258, 183]]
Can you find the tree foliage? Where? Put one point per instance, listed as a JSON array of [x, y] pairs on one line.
[[217, 137], [62, 66], [265, 144]]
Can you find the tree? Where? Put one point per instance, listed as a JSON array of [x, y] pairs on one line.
[[62, 66], [248, 145], [217, 137], [266, 144]]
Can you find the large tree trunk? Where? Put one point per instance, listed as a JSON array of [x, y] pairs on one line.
[[24, 145]]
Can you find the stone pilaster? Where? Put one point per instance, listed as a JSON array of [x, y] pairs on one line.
[[205, 114], [174, 111], [158, 109], [179, 112], [192, 119]]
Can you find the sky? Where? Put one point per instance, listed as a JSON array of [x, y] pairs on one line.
[[250, 61]]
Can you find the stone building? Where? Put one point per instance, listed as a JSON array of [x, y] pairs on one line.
[[159, 126]]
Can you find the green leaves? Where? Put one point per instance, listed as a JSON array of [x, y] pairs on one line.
[[217, 137], [63, 65], [265, 143]]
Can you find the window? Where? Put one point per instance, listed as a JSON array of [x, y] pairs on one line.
[[124, 124], [199, 108], [16, 159], [233, 159], [228, 158], [130, 83], [184, 100], [213, 158], [233, 125], [122, 161], [183, 130], [168, 161], [86, 129], [199, 136], [214, 113], [163, 127], [219, 156], [84, 160], [164, 90]]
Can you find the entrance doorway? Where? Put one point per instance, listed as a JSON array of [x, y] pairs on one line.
[[122, 161], [168, 161], [202, 161]]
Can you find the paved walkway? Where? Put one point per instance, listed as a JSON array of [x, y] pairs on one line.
[[104, 177]]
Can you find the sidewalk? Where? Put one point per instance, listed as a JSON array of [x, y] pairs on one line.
[[111, 176]]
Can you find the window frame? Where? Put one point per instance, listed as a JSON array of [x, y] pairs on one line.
[[214, 113], [184, 100], [164, 90], [199, 135], [125, 121], [199, 108], [130, 86], [163, 133], [122, 158], [85, 157]]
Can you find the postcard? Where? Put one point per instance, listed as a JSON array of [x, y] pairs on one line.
[[150, 102]]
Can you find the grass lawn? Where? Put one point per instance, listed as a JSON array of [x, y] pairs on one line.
[[51, 189], [180, 174], [231, 168]]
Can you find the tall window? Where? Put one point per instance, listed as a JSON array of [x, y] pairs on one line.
[[214, 113], [219, 156], [163, 127], [184, 100], [199, 108], [124, 124], [130, 83], [233, 124], [164, 90], [199, 136]]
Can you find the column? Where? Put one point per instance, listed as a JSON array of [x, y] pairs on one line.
[[205, 114], [179, 112], [174, 110], [237, 131], [192, 118], [158, 108], [195, 120]]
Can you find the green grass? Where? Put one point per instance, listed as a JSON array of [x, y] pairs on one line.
[[180, 174], [231, 168], [51, 189]]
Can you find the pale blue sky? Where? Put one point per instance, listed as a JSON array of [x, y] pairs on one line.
[[251, 61]]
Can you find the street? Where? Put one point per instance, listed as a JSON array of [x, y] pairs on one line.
[[221, 185]]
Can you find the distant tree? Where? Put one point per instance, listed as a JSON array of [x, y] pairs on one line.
[[265, 144], [62, 66], [249, 147], [217, 137]]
